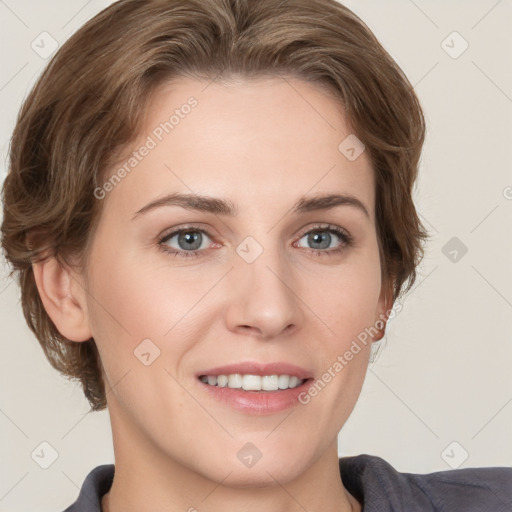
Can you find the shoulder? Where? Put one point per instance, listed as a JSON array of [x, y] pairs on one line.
[[381, 487], [96, 484]]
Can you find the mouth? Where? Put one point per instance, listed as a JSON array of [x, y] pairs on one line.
[[256, 376], [254, 400], [256, 388], [248, 382]]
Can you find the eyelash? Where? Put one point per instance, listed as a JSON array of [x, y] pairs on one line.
[[346, 241]]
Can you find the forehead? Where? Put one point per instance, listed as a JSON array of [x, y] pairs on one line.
[[259, 142]]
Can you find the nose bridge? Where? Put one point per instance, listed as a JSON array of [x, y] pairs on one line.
[[264, 299]]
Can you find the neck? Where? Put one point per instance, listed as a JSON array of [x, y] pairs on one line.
[[147, 479]]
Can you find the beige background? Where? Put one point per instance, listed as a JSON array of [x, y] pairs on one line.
[[441, 387]]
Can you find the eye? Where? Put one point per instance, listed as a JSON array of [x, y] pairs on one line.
[[190, 241], [320, 240]]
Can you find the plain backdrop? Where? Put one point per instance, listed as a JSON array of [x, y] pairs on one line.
[[439, 395]]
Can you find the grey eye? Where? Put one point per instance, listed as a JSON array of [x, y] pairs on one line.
[[187, 240]]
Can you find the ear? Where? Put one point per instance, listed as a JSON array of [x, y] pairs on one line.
[[63, 298], [382, 310]]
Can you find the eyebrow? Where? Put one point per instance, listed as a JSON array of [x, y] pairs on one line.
[[220, 206]]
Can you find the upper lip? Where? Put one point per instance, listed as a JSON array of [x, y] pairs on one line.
[[257, 368]]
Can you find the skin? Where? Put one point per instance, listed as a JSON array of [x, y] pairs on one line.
[[261, 144]]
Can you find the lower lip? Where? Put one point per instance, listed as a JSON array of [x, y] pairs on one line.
[[258, 402]]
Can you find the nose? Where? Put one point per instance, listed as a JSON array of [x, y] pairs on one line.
[[263, 301]]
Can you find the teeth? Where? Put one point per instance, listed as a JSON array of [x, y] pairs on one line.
[[222, 381], [270, 382], [234, 381], [253, 382]]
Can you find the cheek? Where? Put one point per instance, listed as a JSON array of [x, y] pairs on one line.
[[131, 302], [346, 297]]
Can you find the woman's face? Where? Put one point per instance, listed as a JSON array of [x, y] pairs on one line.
[[279, 279]]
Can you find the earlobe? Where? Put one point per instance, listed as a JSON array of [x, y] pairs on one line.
[[64, 303], [382, 313]]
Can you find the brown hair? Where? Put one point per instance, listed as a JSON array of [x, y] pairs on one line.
[[89, 102]]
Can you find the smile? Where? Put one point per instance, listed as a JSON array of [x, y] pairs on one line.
[[249, 382]]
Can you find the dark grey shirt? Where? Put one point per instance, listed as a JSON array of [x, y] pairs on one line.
[[380, 488]]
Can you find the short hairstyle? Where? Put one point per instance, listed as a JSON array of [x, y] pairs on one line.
[[88, 105]]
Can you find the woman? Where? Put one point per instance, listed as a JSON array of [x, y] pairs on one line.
[[209, 207]]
